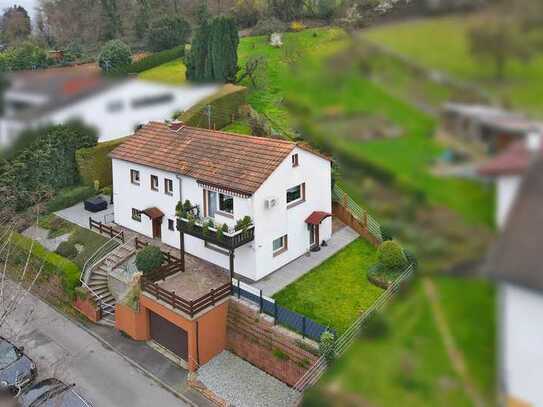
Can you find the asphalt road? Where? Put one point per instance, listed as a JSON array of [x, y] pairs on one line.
[[62, 349]]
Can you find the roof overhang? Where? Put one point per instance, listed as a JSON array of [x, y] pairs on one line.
[[153, 213], [317, 217]]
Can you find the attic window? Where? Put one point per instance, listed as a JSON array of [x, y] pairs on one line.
[[295, 161]]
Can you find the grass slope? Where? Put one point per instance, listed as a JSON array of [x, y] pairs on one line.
[[173, 73], [337, 291], [442, 43]]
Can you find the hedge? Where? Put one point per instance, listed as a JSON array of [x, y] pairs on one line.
[[70, 197], [224, 104], [94, 163], [52, 263], [155, 60]]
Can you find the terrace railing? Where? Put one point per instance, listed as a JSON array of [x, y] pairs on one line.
[[229, 241], [190, 307], [105, 229]]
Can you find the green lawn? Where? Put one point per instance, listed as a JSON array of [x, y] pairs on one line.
[[337, 291], [409, 366], [173, 73], [441, 43]]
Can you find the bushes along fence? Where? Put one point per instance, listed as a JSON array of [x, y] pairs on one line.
[[94, 163]]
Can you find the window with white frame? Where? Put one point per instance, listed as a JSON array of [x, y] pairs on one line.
[[295, 195], [219, 203], [280, 245], [168, 186], [135, 177], [226, 203], [154, 182]]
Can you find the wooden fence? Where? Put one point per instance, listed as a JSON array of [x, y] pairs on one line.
[[105, 229], [350, 213], [190, 307], [168, 257]]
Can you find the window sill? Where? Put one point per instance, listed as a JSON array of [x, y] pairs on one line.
[[280, 252], [295, 203], [135, 183], [168, 193], [154, 190], [225, 214]]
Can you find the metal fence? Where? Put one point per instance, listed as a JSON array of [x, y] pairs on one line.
[[360, 214], [283, 316], [343, 343]]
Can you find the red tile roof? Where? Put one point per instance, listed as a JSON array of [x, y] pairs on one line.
[[513, 161], [231, 161]]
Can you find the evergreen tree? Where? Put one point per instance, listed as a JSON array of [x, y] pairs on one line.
[[213, 56]]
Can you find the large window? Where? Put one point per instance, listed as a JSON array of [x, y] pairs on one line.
[[226, 203], [135, 177], [295, 195], [136, 215], [168, 186], [280, 245], [154, 182]]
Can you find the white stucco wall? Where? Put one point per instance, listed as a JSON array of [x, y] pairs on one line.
[[96, 110], [254, 260], [506, 193], [522, 343]]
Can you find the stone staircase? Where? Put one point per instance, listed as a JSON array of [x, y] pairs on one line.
[[95, 275]]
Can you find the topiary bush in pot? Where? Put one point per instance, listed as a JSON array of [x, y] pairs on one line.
[[149, 259]]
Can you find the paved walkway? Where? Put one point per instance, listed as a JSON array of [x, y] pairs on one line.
[[80, 216], [41, 236], [294, 270]]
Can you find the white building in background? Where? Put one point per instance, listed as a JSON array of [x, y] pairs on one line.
[[114, 107], [516, 262], [284, 188]]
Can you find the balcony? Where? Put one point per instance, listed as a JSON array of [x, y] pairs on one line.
[[227, 240]]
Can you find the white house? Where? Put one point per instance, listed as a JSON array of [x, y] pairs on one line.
[[284, 187], [114, 107], [515, 262]]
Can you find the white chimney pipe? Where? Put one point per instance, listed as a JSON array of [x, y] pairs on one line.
[[533, 141]]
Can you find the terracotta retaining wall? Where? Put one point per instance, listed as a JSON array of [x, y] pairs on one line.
[[88, 308], [132, 322], [273, 349]]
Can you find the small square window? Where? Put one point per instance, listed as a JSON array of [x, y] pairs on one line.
[[226, 203], [154, 182], [136, 215], [295, 161], [135, 177], [168, 186], [171, 224], [280, 245], [295, 195]]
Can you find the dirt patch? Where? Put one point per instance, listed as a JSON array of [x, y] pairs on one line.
[[359, 127]]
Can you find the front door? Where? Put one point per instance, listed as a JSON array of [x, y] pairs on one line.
[[169, 335], [157, 228]]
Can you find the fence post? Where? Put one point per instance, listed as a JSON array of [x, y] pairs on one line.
[[191, 309], [303, 327], [275, 313], [213, 296], [90, 223], [365, 219], [261, 302], [172, 300], [239, 291]]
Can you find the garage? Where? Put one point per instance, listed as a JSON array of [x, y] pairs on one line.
[[169, 335]]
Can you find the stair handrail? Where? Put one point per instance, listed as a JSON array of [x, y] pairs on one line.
[[91, 261]]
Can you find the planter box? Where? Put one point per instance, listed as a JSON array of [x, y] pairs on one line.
[[88, 308], [229, 241]]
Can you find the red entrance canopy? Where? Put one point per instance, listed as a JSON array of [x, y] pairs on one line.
[[316, 218], [154, 213]]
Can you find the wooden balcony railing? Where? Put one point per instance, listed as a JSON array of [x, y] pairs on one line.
[[229, 241], [190, 307]]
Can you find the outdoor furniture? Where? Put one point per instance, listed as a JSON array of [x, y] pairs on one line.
[[95, 204]]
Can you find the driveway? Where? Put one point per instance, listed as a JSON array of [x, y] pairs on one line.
[[63, 349]]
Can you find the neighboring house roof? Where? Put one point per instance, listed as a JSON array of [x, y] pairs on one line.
[[231, 161], [514, 160], [516, 256], [59, 86]]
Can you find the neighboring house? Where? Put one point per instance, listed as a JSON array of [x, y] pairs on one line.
[[114, 107], [284, 188], [516, 263], [493, 128]]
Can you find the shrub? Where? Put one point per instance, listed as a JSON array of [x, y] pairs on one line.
[[67, 271], [67, 249], [246, 13], [269, 26], [280, 354], [376, 327], [70, 197], [114, 56], [327, 346], [167, 32], [94, 163], [26, 56], [391, 256], [326, 8], [297, 26], [243, 224], [156, 59], [148, 259]]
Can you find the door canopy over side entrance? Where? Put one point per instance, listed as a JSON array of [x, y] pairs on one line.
[[317, 217], [153, 213]]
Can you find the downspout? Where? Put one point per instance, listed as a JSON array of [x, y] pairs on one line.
[[180, 178]]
